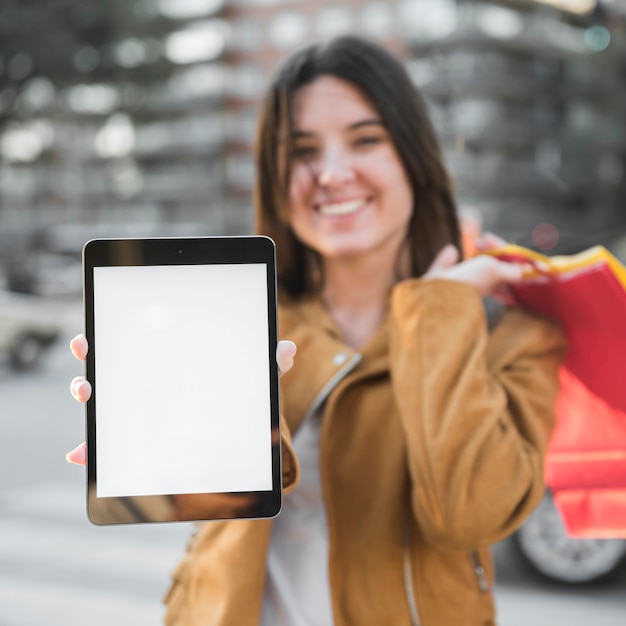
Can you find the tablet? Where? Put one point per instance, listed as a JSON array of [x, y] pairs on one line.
[[183, 420]]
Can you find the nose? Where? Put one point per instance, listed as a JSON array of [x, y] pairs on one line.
[[335, 168]]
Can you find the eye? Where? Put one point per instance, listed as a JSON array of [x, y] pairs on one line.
[[303, 152], [368, 140]]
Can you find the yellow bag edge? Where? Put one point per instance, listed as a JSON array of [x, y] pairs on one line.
[[561, 264]]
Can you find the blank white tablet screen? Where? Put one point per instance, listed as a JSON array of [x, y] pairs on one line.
[[182, 379]]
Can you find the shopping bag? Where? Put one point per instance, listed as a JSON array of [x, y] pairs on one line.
[[585, 467]]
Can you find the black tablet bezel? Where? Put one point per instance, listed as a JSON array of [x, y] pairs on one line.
[[180, 251]]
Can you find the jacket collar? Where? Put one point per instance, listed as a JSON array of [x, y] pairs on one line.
[[321, 356]]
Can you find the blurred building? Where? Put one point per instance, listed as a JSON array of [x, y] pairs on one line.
[[529, 100], [527, 95], [138, 153]]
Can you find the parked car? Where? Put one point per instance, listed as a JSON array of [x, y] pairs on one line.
[[45, 274], [543, 544], [26, 330]]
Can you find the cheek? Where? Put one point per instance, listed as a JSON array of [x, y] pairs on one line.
[[299, 215], [398, 186], [406, 193], [299, 187]]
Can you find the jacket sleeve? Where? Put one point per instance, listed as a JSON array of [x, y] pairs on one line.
[[289, 460], [477, 409]]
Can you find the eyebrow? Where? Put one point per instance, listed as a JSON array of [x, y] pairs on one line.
[[357, 125]]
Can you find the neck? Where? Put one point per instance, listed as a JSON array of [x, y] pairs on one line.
[[356, 290]]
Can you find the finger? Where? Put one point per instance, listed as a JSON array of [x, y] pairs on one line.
[[511, 273], [80, 388], [530, 269], [79, 347], [78, 456], [285, 352], [446, 258]]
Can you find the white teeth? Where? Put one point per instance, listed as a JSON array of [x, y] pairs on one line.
[[341, 208]]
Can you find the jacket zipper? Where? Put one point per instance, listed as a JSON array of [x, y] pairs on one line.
[[315, 406], [317, 402], [479, 570], [331, 384], [408, 576]]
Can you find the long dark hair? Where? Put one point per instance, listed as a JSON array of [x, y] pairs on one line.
[[384, 81]]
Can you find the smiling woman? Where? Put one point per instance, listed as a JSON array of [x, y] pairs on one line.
[[407, 418], [419, 435]]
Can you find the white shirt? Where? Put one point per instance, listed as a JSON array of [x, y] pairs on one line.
[[297, 591]]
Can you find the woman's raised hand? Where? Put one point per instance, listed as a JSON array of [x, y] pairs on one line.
[[486, 273], [80, 388]]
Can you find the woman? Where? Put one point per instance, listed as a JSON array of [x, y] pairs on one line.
[[419, 433]]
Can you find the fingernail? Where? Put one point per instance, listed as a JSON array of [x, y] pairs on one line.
[[78, 387], [78, 456]]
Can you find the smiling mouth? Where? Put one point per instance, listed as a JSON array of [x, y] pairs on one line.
[[342, 208]]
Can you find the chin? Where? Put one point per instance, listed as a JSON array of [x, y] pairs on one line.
[[345, 251]]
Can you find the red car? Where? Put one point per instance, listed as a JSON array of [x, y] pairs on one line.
[[543, 543]]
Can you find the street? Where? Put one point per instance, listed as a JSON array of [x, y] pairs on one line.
[[57, 569]]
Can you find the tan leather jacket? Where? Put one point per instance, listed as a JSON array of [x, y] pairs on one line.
[[432, 449]]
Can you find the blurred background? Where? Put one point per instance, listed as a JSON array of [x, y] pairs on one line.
[[136, 118]]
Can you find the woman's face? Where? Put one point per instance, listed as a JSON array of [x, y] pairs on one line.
[[349, 194]]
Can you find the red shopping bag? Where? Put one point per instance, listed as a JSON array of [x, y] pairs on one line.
[[585, 467]]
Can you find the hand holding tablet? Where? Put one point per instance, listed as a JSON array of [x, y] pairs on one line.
[[182, 421]]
